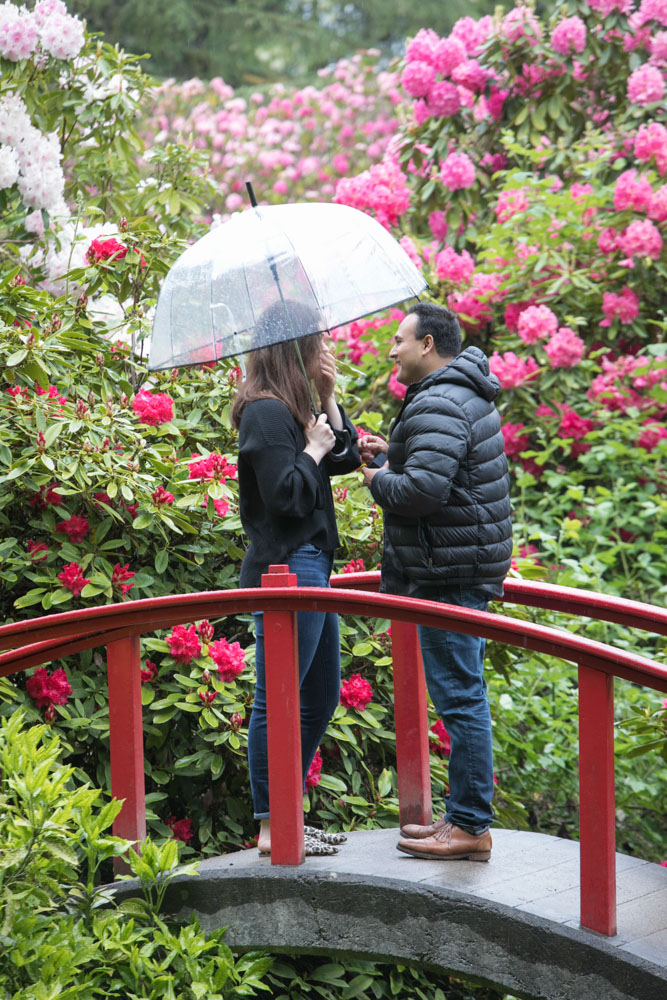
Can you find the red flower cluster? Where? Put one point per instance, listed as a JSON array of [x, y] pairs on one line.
[[149, 672], [180, 828], [214, 466], [207, 697], [354, 566], [153, 408], [37, 551], [72, 577], [51, 392], [161, 496], [46, 495], [314, 771], [75, 527], [101, 249], [47, 689], [228, 657], [119, 575], [184, 645], [355, 692], [442, 743]]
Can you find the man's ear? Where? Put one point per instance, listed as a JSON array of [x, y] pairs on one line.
[[427, 344]]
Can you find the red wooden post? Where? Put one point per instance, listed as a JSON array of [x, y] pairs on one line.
[[283, 710], [126, 737], [411, 719], [597, 819]]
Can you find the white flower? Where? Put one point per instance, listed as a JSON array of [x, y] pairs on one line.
[[9, 167]]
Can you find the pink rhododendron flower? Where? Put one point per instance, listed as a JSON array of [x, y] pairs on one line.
[[521, 23], [457, 172], [471, 76], [512, 312], [624, 306], [442, 743], [417, 78], [48, 689], [641, 239], [608, 241], [73, 579], [184, 644], [314, 771], [512, 371], [411, 250], [76, 528], [646, 85], [181, 829], [448, 53], [383, 189], [214, 466], [515, 442], [37, 551], [652, 435], [574, 426], [228, 657], [422, 47], [605, 7], [472, 33], [454, 267], [565, 349], [443, 99], [396, 388], [118, 577], [510, 202], [652, 10], [651, 143], [569, 36], [437, 222], [536, 322], [153, 408], [657, 208], [355, 692], [632, 191], [105, 249]]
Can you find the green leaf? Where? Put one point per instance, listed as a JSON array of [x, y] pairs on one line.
[[142, 521], [16, 358]]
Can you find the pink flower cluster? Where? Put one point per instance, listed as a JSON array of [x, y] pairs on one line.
[[535, 323], [214, 466], [355, 692], [565, 349], [510, 203], [382, 189], [228, 657], [515, 441], [623, 380], [184, 644], [454, 267], [569, 36], [632, 191], [641, 239], [153, 408], [354, 566], [652, 435], [457, 172], [623, 306], [646, 85], [511, 370], [314, 771], [651, 143]]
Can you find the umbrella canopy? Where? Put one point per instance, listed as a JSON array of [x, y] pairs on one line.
[[319, 265]]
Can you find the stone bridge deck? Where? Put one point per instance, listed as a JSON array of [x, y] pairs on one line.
[[512, 923]]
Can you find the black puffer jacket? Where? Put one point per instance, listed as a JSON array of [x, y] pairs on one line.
[[445, 495]]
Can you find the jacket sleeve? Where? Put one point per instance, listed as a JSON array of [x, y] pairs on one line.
[[287, 478], [436, 435], [352, 459]]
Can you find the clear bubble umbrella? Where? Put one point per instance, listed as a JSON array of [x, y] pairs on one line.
[[277, 273]]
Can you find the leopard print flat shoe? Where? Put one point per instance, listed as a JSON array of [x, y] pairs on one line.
[[326, 838]]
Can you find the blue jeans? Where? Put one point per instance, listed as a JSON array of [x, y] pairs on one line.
[[454, 670], [319, 676]]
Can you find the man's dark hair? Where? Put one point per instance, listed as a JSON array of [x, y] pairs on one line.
[[441, 324]]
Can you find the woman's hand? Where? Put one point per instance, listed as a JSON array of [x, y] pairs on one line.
[[325, 376], [320, 438]]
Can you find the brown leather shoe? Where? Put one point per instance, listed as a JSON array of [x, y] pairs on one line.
[[412, 831], [449, 843]]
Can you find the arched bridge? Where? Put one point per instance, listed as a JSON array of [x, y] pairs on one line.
[[541, 919]]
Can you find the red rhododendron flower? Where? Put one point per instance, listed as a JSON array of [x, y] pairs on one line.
[[354, 566], [214, 466], [119, 575], [442, 743], [355, 692], [75, 527], [184, 644], [153, 408], [72, 577], [37, 551], [228, 657], [314, 771], [47, 690], [180, 828], [161, 496], [149, 672], [46, 495], [101, 249], [207, 697]]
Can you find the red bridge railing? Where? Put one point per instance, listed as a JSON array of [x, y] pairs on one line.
[[120, 626]]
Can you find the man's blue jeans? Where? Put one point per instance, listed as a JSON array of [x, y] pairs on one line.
[[454, 669], [319, 676]]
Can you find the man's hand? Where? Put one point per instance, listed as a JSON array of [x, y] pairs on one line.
[[371, 445], [369, 473]]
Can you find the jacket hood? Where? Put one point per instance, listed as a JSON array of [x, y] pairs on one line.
[[470, 368]]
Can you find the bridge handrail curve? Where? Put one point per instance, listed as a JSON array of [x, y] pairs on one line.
[[133, 618]]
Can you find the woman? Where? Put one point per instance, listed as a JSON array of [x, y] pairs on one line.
[[286, 457]]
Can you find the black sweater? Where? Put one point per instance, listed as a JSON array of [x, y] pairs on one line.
[[284, 495], [445, 495]]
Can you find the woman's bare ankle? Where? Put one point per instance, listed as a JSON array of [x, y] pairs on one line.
[[264, 837]]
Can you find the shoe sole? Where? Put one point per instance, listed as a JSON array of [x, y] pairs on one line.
[[465, 856]]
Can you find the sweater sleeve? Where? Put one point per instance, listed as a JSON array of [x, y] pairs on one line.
[[272, 442], [437, 436]]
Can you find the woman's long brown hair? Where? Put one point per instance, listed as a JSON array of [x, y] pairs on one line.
[[274, 372]]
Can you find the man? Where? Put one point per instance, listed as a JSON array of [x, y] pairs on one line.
[[447, 537]]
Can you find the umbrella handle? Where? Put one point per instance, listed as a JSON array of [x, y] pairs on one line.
[[341, 449]]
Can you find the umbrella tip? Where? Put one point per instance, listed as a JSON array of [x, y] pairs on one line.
[[251, 194]]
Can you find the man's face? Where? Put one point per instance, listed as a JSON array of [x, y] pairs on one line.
[[408, 352]]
